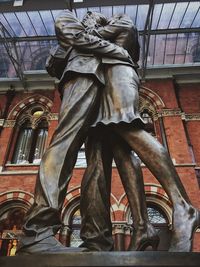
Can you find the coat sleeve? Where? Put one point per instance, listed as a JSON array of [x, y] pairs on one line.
[[71, 32]]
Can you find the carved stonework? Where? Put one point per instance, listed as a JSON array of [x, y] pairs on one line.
[[54, 117], [170, 112], [192, 117], [9, 124], [119, 228], [1, 122]]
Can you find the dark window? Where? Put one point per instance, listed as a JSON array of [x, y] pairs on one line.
[[149, 124], [30, 144], [4, 66], [196, 55]]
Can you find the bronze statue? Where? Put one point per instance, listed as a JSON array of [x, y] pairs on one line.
[[85, 86], [80, 88]]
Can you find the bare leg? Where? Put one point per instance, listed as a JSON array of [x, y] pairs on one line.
[[154, 155], [132, 179]]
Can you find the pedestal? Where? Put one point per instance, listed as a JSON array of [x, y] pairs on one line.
[[108, 259]]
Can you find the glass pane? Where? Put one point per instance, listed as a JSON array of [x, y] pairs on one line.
[[178, 15], [14, 23], [156, 15], [190, 15], [107, 11], [42, 135], [170, 48], [25, 21], [6, 25], [76, 218], [56, 13], [48, 22], [75, 238], [180, 49], [75, 226], [196, 22], [118, 10], [155, 216], [166, 15], [37, 22], [23, 146], [159, 49], [141, 16], [132, 11]]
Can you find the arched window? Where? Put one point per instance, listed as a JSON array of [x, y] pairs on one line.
[[11, 222], [159, 220], [32, 137], [31, 143], [75, 225]]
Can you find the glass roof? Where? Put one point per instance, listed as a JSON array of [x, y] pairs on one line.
[[174, 31]]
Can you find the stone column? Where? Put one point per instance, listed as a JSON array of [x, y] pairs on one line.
[[118, 234], [64, 236]]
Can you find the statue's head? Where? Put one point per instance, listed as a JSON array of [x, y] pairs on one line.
[[93, 19]]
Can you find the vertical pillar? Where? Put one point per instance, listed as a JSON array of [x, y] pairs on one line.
[[119, 232], [64, 236]]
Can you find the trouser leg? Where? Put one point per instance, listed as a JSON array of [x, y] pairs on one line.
[[78, 106], [96, 229]]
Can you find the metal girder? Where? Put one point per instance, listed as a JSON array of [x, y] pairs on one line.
[[32, 5], [10, 47], [146, 37]]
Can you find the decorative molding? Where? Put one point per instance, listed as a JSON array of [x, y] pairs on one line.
[[119, 227], [9, 123], [191, 117], [170, 112], [1, 122], [54, 116]]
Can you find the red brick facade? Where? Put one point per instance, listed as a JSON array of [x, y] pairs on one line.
[[176, 114]]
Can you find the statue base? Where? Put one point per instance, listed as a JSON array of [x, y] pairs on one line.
[[108, 259]]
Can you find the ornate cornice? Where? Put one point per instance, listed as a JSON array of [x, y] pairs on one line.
[[191, 117], [1, 122], [9, 123], [54, 116], [170, 112]]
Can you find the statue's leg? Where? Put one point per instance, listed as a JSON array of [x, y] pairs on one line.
[[132, 179], [96, 227], [185, 217], [78, 105]]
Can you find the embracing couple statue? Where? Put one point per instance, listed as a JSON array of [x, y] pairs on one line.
[[97, 68]]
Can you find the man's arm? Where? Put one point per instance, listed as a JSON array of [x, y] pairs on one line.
[[115, 26], [71, 32]]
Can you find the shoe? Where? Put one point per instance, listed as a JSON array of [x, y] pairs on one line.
[[185, 226], [144, 238], [48, 245]]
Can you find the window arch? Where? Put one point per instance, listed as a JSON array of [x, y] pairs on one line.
[[31, 139], [12, 216]]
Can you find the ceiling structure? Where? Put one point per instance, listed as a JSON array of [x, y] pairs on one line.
[[169, 31]]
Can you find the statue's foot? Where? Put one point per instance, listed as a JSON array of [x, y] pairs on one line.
[[144, 238], [185, 225], [48, 245]]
